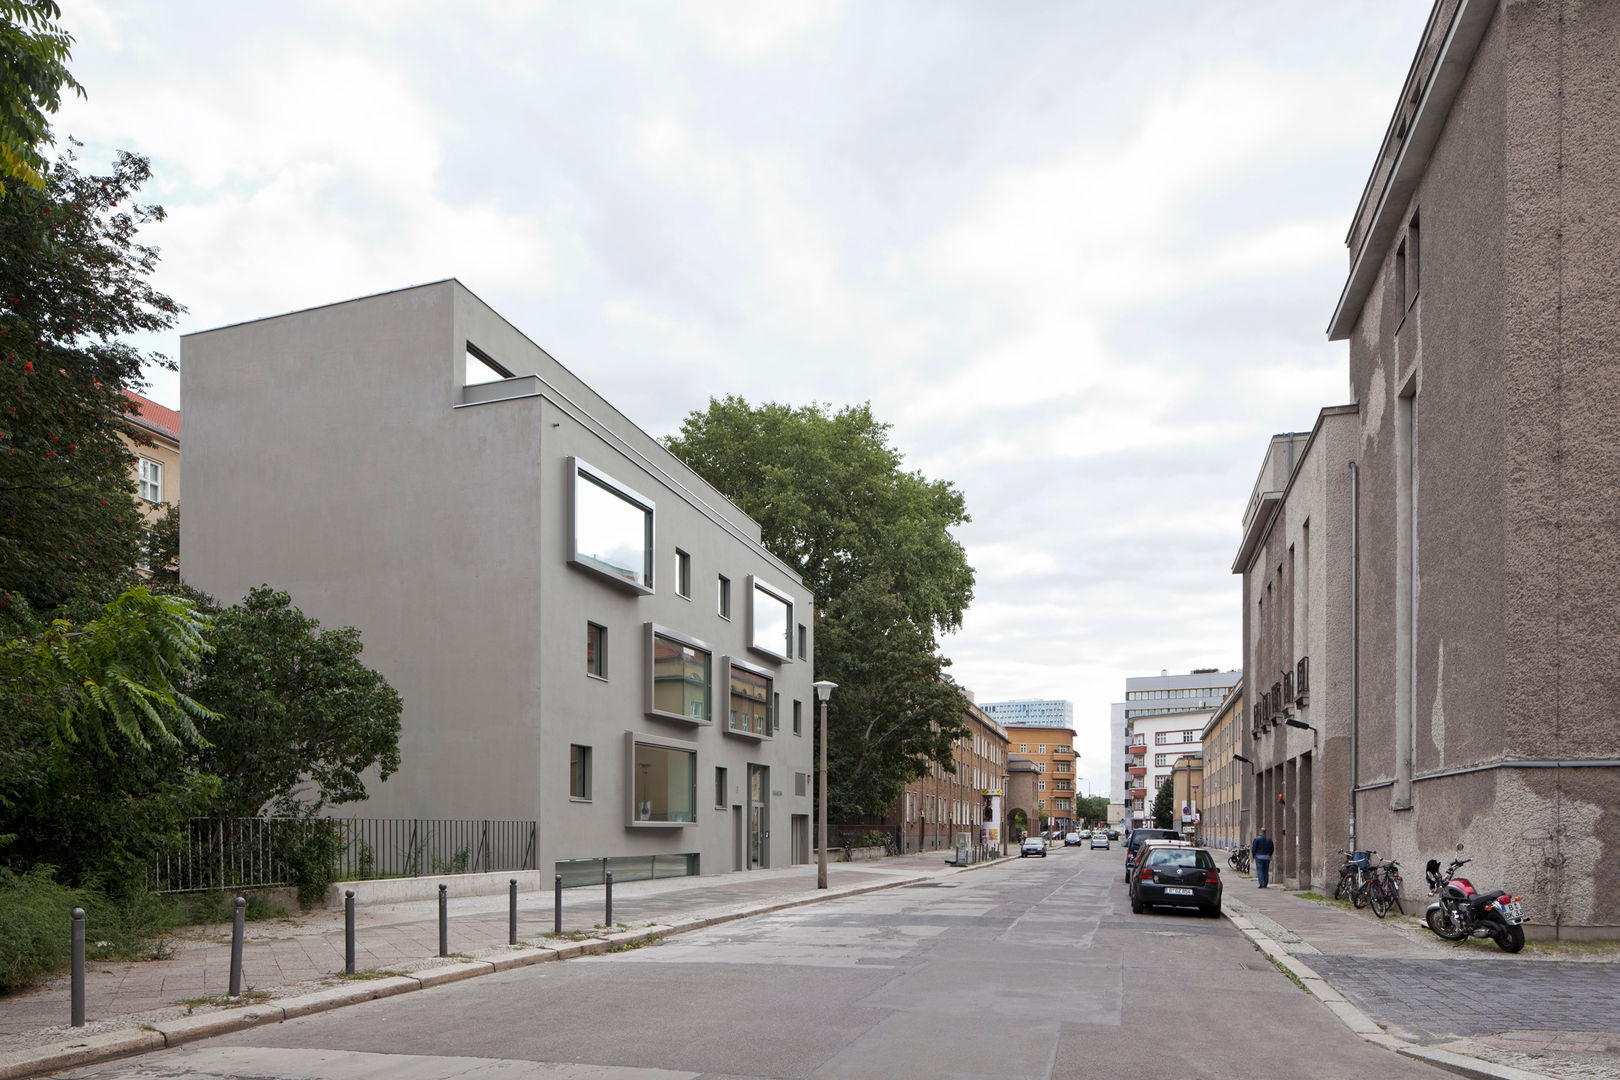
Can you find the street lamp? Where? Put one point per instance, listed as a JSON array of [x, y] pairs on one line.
[[824, 691]]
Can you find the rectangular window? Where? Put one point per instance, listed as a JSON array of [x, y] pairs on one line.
[[804, 641], [1041, 749], [151, 480], [683, 573], [613, 529], [770, 621], [1413, 265], [579, 772], [664, 784], [725, 597], [798, 718], [596, 650], [722, 794], [1023, 748], [1040, 785], [680, 677], [750, 701], [776, 712]]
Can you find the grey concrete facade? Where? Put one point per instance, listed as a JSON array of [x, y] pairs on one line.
[[1480, 680], [339, 453]]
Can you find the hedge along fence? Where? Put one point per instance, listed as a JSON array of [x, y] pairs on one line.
[[310, 853]]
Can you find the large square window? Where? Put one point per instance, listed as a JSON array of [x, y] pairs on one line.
[[613, 529], [680, 677], [663, 782], [751, 690], [770, 615]]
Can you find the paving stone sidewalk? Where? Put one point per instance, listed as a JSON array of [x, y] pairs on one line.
[[1550, 1010], [284, 958]]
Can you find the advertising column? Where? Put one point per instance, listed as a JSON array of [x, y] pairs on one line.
[[990, 830]]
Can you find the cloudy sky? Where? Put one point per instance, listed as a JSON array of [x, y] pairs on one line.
[[1080, 255]]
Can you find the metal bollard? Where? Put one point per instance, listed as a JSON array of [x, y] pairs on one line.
[[556, 905], [348, 931], [607, 919], [77, 992], [511, 914], [236, 947], [444, 920]]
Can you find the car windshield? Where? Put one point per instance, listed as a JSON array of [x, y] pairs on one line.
[[1181, 857]]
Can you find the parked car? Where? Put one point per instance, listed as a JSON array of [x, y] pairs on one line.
[[1176, 876], [1142, 836], [1071, 840], [1099, 839], [1085, 834], [1113, 834], [1134, 859], [1033, 845]]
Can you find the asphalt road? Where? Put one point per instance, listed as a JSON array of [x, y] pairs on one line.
[[1033, 968]]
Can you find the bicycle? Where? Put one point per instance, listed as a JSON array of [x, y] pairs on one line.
[[1239, 860], [1352, 876], [1386, 889]]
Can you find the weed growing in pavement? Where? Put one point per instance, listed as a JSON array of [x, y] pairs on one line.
[[626, 946], [1278, 964], [250, 996], [570, 935], [372, 973], [1311, 896]]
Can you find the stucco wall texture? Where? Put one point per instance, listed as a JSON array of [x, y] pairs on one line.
[[1505, 353]]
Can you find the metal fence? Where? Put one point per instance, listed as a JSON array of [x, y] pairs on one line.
[[257, 853]]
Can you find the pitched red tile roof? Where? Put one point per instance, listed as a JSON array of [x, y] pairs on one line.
[[150, 414]]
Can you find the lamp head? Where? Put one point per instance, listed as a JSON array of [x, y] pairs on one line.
[[824, 690], [1291, 722]]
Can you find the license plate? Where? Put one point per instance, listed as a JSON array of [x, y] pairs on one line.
[[1512, 913], [1178, 892]]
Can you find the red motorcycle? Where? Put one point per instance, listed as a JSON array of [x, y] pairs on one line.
[[1461, 911]]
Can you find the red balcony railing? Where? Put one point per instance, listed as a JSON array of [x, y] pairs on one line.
[[1137, 770], [1136, 748]]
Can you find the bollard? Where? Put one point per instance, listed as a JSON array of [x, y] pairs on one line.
[[607, 919], [348, 931], [444, 921], [77, 993], [556, 905], [236, 948], [511, 914]]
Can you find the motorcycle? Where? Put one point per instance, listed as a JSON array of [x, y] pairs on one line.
[[1460, 911]]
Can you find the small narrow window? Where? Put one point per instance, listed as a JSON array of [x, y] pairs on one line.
[[482, 368], [725, 597], [151, 480], [776, 713], [579, 772], [804, 641], [683, 573], [596, 650], [798, 718], [720, 791], [1413, 263]]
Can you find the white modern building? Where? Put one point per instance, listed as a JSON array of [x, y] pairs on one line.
[[1161, 719], [1031, 712]]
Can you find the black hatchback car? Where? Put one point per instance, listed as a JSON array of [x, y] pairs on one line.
[[1176, 877]]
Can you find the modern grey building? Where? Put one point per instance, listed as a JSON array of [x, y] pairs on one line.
[[1031, 712], [1161, 718], [585, 634]]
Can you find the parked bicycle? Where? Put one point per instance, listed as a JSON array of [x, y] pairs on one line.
[[1239, 859], [1353, 876]]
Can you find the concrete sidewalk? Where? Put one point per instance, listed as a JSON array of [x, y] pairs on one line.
[[1548, 1011], [295, 965]]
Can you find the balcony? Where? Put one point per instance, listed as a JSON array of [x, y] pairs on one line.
[[1137, 770], [1136, 748]]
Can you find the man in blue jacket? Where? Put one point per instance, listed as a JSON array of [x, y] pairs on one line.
[[1261, 850]]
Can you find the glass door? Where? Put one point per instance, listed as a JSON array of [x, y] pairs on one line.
[[759, 825]]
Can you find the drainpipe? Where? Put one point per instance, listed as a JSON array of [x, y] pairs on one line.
[[1355, 642]]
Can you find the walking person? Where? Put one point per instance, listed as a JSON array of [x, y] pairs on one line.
[[1261, 849]]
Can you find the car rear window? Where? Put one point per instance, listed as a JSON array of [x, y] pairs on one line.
[[1181, 857]]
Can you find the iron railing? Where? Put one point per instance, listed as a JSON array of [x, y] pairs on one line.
[[256, 853]]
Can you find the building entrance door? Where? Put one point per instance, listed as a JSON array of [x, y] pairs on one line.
[[759, 822]]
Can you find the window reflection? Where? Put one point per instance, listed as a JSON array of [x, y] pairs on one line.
[[750, 697], [612, 534], [772, 615], [680, 679]]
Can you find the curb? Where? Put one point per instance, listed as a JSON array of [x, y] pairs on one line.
[[107, 1046], [1362, 1024]]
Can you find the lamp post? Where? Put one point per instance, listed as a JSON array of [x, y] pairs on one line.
[[824, 691]]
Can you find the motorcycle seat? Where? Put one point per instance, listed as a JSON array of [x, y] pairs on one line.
[[1482, 899]]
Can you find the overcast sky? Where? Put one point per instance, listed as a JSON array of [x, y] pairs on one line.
[[1080, 255]]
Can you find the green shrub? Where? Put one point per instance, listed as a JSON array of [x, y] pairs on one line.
[[311, 856], [36, 926]]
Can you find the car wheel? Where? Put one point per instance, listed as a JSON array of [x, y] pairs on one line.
[[1211, 912], [1137, 907]]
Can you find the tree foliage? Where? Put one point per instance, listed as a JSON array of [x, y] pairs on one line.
[[872, 542], [74, 282], [1164, 805], [33, 71], [297, 716], [1091, 808]]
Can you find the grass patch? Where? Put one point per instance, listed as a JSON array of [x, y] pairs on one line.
[[372, 973], [36, 927], [641, 942], [245, 998], [569, 935], [1606, 949], [1313, 896], [203, 909]]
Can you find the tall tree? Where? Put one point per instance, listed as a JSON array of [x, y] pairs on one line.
[[1164, 805], [74, 282], [33, 70], [872, 542]]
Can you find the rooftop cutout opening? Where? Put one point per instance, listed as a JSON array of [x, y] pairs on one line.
[[482, 368]]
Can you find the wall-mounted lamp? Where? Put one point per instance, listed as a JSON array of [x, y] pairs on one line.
[[1293, 722]]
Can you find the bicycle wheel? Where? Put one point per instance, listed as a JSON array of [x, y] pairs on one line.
[[1395, 895], [1358, 894], [1379, 897], [1341, 891]]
